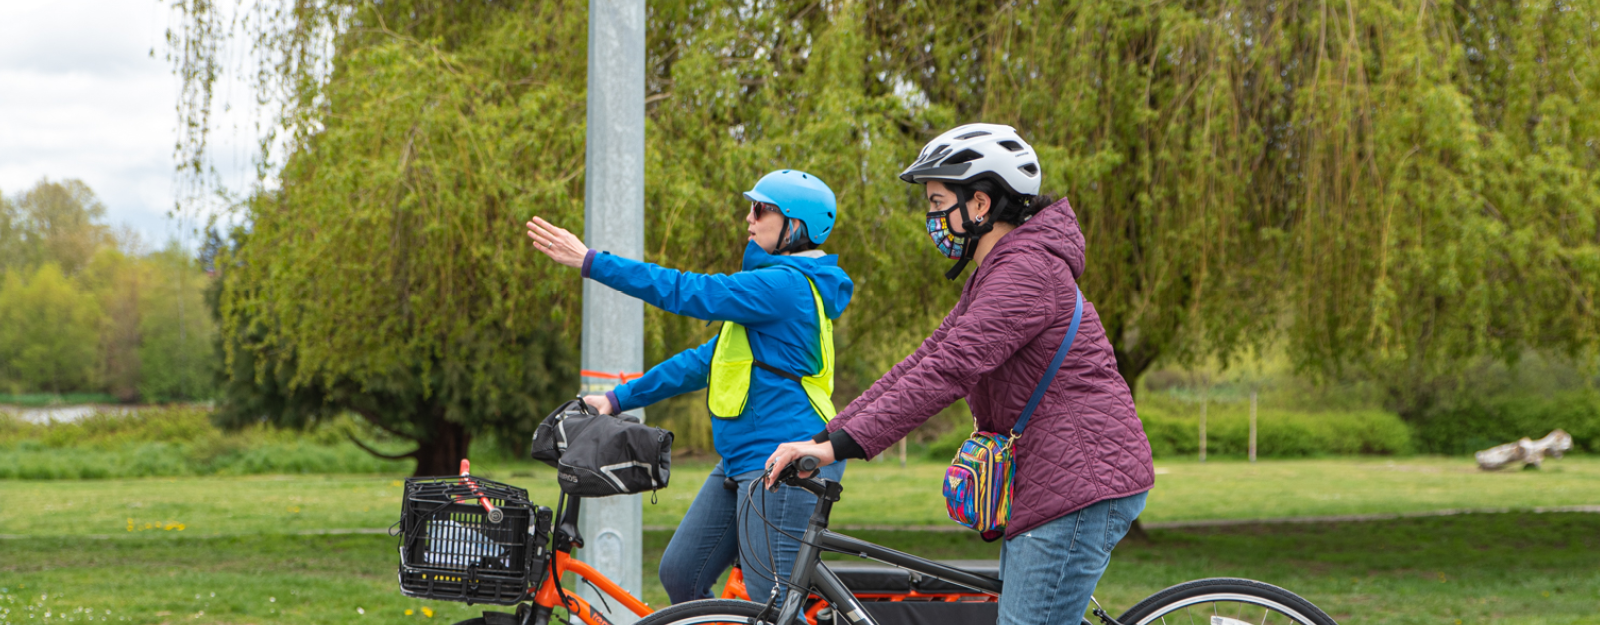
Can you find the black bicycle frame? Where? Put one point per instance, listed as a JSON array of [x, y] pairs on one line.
[[809, 571]]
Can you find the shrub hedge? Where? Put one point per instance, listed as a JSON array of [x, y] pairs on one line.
[[1279, 433], [1173, 428], [1481, 423], [176, 441], [36, 400], [1173, 424]]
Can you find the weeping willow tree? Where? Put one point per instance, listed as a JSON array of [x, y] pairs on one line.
[[1449, 196], [387, 274], [1391, 187], [1394, 187]]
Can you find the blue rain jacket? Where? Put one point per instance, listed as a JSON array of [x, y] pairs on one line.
[[775, 306]]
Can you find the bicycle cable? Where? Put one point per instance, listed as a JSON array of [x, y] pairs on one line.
[[601, 594], [555, 526], [777, 584], [772, 572]]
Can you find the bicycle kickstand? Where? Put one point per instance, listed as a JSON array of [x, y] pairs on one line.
[[1100, 612]]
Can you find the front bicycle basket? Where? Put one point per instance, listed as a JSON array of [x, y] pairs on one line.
[[449, 548]]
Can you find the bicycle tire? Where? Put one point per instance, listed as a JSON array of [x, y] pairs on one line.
[[706, 612], [1249, 601]]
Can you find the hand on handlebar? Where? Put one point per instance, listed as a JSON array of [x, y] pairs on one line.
[[599, 403], [790, 452]]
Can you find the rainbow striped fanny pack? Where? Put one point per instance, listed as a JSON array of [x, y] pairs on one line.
[[977, 486]]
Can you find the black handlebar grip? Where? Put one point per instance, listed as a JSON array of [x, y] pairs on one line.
[[807, 463]]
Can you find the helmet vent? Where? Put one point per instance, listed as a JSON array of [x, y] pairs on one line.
[[975, 133], [1011, 145], [964, 156], [1030, 169]]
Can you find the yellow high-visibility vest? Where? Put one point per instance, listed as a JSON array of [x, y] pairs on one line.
[[732, 364]]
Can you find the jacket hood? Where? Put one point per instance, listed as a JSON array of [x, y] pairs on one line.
[[833, 283], [1054, 229]]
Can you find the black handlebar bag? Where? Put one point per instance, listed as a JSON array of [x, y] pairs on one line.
[[599, 455]]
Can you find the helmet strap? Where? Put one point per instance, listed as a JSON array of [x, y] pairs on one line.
[[788, 243], [972, 232]]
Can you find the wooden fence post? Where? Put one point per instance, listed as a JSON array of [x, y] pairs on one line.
[[1252, 426]]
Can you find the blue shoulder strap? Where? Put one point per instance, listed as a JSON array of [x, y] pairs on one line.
[[1055, 365]]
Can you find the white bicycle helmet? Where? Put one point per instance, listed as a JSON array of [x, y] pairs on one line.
[[977, 150]]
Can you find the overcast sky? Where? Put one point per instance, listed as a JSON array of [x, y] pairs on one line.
[[82, 97]]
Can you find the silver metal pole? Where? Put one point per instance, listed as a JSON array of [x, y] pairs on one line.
[[613, 323]]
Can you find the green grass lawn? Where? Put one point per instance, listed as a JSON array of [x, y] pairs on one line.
[[876, 494], [171, 543], [1502, 568]]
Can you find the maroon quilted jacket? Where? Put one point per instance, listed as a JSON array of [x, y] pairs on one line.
[[1084, 443]]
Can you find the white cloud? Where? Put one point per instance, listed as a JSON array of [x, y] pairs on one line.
[[81, 96]]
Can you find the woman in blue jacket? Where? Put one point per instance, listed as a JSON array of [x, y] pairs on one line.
[[769, 373]]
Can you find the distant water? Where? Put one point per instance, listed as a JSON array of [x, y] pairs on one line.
[[63, 414]]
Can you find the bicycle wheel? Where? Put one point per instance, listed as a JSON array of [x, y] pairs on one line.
[[1225, 601], [705, 612]]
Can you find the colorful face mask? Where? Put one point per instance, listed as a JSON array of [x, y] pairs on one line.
[[952, 245]]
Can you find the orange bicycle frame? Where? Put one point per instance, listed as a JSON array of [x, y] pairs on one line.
[[548, 596]]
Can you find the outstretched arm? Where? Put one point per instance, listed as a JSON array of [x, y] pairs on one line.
[[746, 297]]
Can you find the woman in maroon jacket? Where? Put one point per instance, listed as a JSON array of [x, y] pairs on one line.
[[1083, 463]]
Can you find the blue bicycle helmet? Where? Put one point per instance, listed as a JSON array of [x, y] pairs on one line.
[[801, 197]]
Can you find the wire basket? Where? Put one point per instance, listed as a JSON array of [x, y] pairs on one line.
[[450, 549]]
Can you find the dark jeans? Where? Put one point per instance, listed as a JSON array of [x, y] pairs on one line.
[[710, 536]]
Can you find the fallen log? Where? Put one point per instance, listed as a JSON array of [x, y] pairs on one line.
[[1525, 452]]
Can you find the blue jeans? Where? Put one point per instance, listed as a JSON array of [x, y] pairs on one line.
[[1050, 571], [711, 535]]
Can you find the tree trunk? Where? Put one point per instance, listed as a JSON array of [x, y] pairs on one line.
[[1131, 363], [442, 453]]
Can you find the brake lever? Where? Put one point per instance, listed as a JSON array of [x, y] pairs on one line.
[[791, 472]]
